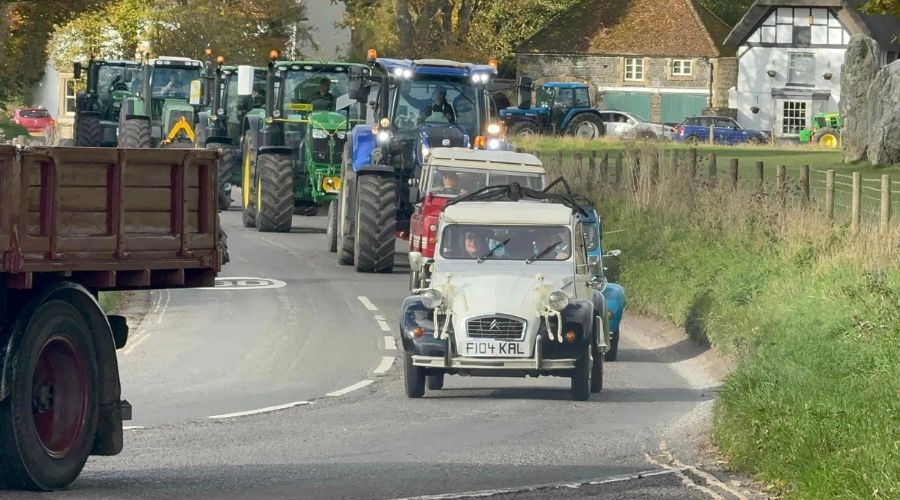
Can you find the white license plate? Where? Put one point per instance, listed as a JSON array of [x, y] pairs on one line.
[[493, 349]]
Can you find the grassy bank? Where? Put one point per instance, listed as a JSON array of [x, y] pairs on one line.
[[110, 301], [811, 311]]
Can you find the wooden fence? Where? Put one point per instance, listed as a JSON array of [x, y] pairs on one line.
[[862, 200]]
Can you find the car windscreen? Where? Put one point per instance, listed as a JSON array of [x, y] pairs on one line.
[[507, 242], [173, 82], [451, 182], [34, 113], [439, 100]]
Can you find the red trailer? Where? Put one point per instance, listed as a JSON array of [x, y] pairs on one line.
[[74, 222]]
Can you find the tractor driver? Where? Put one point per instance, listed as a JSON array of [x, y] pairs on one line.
[[438, 104], [175, 85], [323, 99]]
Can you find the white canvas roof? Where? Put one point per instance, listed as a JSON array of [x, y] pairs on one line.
[[533, 213], [486, 160]]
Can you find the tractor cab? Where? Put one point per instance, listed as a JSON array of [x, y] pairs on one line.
[[559, 108], [109, 83]]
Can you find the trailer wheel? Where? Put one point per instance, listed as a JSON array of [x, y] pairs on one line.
[[248, 206], [223, 173], [331, 231], [90, 133], [135, 133], [275, 193], [581, 377], [413, 377], [49, 419], [376, 223]]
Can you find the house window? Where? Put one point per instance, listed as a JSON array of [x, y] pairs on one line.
[[802, 35], [634, 69], [682, 67], [802, 69], [793, 117], [70, 96]]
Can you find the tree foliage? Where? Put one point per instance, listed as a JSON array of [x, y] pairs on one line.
[[730, 11], [890, 7]]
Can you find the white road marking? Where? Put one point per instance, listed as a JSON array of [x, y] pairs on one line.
[[367, 303], [710, 479], [232, 283], [132, 427], [389, 343], [385, 327], [345, 390], [261, 410], [130, 347], [162, 310], [685, 479], [538, 487], [386, 363]]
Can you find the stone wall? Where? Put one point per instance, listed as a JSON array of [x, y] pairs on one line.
[[725, 73]]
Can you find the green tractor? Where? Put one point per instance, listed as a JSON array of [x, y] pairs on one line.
[[219, 125], [293, 146], [164, 112], [109, 83], [825, 131]]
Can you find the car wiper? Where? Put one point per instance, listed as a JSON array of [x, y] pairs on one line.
[[489, 254], [541, 253]]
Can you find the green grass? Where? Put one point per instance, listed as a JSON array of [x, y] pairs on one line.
[[110, 301], [811, 312]]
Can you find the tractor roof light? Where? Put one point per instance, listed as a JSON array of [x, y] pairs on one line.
[[492, 62], [207, 51], [274, 54], [371, 55], [220, 60]]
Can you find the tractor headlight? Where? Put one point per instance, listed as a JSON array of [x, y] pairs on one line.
[[276, 113], [384, 136], [425, 151], [493, 129], [493, 144], [269, 120], [342, 135], [220, 111], [432, 298], [319, 133], [558, 300]]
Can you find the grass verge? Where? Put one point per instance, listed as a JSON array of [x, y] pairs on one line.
[[811, 311], [111, 301]]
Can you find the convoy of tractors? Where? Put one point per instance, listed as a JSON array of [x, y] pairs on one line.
[[506, 279]]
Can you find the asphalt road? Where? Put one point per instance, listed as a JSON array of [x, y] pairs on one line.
[[321, 344]]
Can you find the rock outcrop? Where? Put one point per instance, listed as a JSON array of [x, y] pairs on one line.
[[883, 116], [861, 64]]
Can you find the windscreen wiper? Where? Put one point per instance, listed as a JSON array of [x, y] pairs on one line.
[[542, 252], [491, 253]]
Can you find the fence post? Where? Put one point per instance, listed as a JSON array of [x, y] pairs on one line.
[[782, 183], [885, 203], [711, 168], [617, 171], [804, 184], [760, 177], [654, 168], [855, 202], [604, 166], [520, 150], [559, 160], [692, 163], [636, 172], [829, 194], [577, 172], [734, 173], [712, 130], [673, 162]]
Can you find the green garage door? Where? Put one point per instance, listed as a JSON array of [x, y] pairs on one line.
[[675, 107], [632, 102]]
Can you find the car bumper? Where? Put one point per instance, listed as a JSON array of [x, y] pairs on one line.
[[494, 363]]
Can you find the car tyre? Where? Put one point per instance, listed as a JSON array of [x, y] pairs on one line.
[[581, 377], [413, 377]]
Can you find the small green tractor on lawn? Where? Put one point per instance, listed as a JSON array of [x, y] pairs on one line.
[[825, 131]]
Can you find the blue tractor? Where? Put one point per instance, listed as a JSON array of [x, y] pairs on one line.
[[560, 108], [418, 105]]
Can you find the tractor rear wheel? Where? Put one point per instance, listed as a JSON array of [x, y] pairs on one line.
[[826, 137], [376, 223], [223, 173], [248, 188], [586, 126], [90, 133], [524, 129], [275, 193], [135, 133]]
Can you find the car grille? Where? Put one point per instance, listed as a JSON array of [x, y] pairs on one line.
[[496, 327], [321, 150]]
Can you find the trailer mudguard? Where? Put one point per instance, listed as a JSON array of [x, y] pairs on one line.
[[363, 143]]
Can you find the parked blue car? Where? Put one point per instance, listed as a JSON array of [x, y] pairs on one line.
[[612, 292], [695, 130]]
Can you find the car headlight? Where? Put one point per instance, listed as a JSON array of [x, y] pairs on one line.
[[425, 151], [432, 298], [319, 133], [558, 300]]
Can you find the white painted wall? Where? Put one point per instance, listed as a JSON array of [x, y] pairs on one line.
[[754, 87]]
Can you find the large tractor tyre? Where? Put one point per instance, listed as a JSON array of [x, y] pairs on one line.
[[49, 419], [826, 137], [413, 378], [524, 129], [331, 231], [135, 133], [223, 173], [248, 188], [581, 377], [586, 126], [613, 351], [90, 133], [275, 194], [435, 382], [344, 239], [376, 223]]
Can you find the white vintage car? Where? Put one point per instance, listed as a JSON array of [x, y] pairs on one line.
[[511, 294]]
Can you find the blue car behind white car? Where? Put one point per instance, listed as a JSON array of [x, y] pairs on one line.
[[695, 130]]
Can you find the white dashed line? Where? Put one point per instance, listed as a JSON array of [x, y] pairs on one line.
[[385, 365], [385, 327], [389, 343], [345, 390], [261, 410], [367, 303], [132, 427]]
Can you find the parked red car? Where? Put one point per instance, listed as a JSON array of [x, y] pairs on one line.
[[36, 120]]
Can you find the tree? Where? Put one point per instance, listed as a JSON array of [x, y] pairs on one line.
[[730, 11], [890, 7]]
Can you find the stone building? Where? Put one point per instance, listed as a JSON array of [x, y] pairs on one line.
[[660, 59]]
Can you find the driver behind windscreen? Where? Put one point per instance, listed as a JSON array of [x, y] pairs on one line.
[[449, 184], [323, 99], [439, 104], [174, 86]]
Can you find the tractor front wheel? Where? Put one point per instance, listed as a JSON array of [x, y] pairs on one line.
[[135, 133], [248, 201], [376, 223], [524, 130], [90, 133], [223, 173], [275, 193]]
